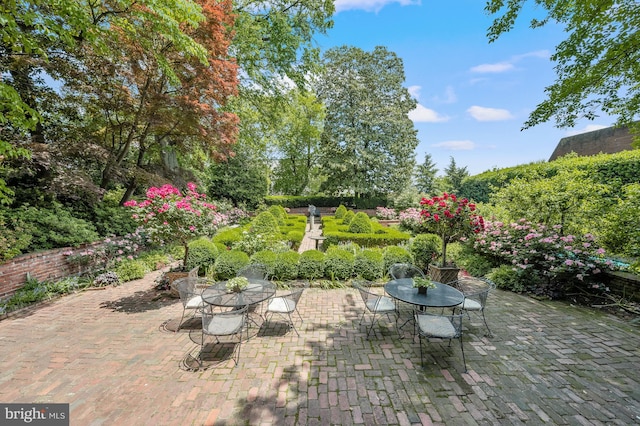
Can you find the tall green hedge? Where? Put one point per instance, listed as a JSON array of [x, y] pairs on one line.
[[615, 170]]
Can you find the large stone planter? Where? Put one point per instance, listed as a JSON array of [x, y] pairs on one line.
[[442, 274]]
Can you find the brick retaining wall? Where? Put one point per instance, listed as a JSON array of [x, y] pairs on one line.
[[44, 266], [624, 284]]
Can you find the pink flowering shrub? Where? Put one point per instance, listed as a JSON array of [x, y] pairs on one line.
[[542, 255], [385, 213], [168, 216], [409, 218]]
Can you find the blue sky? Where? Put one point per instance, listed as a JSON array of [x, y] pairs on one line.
[[473, 96]]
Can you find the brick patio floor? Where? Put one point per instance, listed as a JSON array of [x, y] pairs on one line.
[[112, 355]]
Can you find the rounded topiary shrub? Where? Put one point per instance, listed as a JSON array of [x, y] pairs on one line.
[[348, 217], [311, 264], [229, 262], [279, 213], [369, 264], [340, 212], [295, 238], [425, 248], [228, 236], [267, 258], [265, 224], [131, 270], [395, 254], [202, 253], [220, 246], [286, 266], [360, 224], [338, 264]]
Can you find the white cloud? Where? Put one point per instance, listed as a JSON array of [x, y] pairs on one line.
[[425, 115], [489, 114], [586, 129], [414, 91], [509, 64], [371, 5], [493, 68], [465, 145], [449, 96]]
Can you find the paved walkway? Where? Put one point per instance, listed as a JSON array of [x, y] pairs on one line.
[[113, 356]]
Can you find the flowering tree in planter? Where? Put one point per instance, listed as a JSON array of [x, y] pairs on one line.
[[169, 216], [449, 217]]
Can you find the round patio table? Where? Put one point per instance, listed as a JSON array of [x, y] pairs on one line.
[[443, 296], [258, 290]]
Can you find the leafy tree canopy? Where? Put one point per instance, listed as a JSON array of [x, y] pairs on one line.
[[597, 66], [368, 141]]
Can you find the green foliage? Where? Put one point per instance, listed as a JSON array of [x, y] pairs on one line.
[[34, 291], [474, 263], [348, 217], [425, 249], [507, 278], [396, 254], [369, 264], [338, 263], [13, 239], [295, 237], [360, 224], [228, 236], [202, 253], [340, 212], [621, 227], [252, 242], [569, 199], [363, 91], [613, 170], [129, 270], [267, 258], [311, 264], [54, 227], [454, 176], [154, 260], [554, 263], [265, 223], [409, 197], [425, 177], [596, 66], [336, 233], [279, 213], [229, 262], [286, 266], [220, 246], [241, 179], [110, 218]]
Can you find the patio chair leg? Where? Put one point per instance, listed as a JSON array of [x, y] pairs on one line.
[[464, 361], [489, 333]]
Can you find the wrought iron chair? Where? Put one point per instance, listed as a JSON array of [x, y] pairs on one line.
[[475, 299], [405, 270], [285, 305], [254, 270], [190, 296], [431, 325], [220, 324], [377, 305]]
